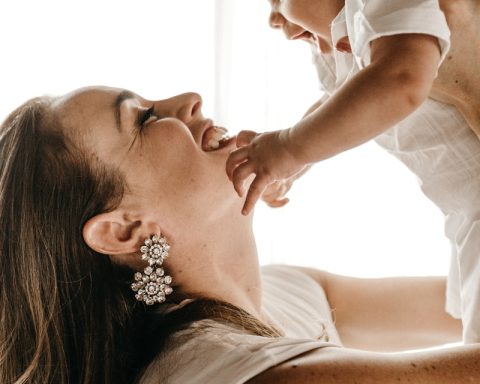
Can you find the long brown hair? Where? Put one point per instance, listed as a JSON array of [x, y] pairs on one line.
[[61, 308], [66, 312]]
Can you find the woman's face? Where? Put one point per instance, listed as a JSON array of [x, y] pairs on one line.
[[163, 147], [306, 19]]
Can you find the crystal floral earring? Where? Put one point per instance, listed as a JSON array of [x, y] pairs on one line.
[[152, 286]]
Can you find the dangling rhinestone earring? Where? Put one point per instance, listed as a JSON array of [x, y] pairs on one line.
[[152, 286]]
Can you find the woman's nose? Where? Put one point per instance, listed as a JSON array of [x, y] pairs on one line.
[[187, 106], [192, 106], [276, 20]]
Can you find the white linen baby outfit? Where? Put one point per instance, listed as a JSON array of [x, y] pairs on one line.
[[220, 354], [435, 142]]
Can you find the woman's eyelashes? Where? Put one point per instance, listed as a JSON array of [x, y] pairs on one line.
[[146, 116]]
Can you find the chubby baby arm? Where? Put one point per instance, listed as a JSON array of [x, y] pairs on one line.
[[397, 81]]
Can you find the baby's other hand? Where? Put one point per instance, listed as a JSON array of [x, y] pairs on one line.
[[274, 195]]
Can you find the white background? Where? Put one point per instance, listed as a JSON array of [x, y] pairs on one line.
[[361, 213]]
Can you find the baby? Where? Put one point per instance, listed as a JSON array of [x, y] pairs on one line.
[[402, 72]]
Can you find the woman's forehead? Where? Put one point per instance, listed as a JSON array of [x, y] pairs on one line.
[[86, 108], [86, 101], [88, 95]]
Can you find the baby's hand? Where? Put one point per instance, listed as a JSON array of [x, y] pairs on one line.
[[267, 155], [274, 194]]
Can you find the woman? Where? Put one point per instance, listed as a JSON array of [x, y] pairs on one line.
[[104, 193]]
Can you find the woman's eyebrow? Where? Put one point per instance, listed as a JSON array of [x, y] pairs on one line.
[[121, 97]]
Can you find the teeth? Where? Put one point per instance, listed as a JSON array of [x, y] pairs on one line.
[[220, 135], [213, 144]]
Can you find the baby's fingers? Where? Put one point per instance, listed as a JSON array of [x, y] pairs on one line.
[[234, 159], [274, 191], [240, 174], [278, 203], [245, 137], [254, 192]]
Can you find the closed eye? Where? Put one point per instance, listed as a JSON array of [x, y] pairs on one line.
[[146, 116]]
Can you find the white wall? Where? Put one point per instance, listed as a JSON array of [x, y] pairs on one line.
[[154, 47]]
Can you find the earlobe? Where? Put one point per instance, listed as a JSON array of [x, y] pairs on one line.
[[112, 234]]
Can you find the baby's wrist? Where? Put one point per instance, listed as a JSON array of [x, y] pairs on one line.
[[294, 147]]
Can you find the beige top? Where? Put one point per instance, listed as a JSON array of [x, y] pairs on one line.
[[221, 354]]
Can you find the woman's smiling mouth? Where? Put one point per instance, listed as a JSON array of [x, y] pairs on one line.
[[215, 138]]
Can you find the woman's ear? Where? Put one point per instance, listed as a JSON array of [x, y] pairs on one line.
[[112, 233]]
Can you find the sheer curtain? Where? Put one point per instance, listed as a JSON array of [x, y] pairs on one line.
[[361, 213]]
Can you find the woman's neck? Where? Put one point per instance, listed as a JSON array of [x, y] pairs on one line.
[[224, 266]]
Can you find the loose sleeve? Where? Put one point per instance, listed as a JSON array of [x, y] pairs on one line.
[[368, 20]]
